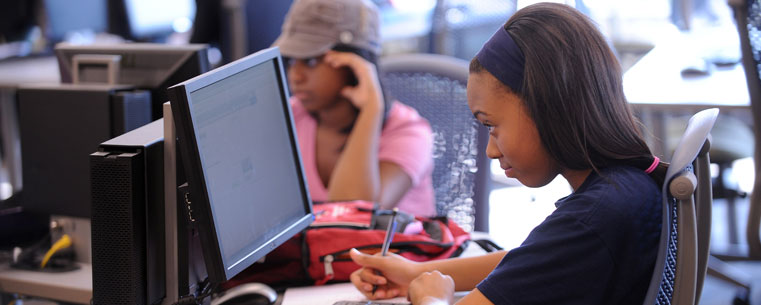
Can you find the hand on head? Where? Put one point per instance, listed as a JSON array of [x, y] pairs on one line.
[[367, 92]]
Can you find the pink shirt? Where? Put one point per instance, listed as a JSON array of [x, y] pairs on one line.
[[406, 140]]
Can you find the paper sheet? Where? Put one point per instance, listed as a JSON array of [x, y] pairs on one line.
[[328, 294]]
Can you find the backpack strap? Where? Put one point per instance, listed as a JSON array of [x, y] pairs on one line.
[[488, 245]]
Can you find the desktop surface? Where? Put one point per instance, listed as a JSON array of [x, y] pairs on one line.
[[330, 294], [656, 86], [26, 70], [656, 81], [71, 286]]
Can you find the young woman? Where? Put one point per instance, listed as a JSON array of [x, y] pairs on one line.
[[549, 89], [355, 144]]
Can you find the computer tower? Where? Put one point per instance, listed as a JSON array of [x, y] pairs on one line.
[[128, 237], [60, 125]]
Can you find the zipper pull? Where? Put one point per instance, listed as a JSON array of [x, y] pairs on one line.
[[328, 261]]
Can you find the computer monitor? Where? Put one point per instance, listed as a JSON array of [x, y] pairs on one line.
[[239, 28], [150, 20], [237, 141], [16, 19], [148, 66], [17, 24], [64, 18], [60, 125]]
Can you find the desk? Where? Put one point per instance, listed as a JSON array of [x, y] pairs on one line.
[[73, 286], [655, 85]]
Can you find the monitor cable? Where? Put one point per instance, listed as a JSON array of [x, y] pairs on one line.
[[198, 297]]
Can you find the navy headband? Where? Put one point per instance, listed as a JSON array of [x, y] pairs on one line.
[[503, 59]]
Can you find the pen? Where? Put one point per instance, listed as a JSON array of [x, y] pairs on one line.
[[390, 229]]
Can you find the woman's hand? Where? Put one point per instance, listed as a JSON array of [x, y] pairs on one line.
[[367, 92], [431, 288], [396, 273]]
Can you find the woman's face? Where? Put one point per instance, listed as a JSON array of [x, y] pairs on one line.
[[513, 136], [316, 84]]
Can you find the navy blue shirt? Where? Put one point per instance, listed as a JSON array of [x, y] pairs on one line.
[[597, 247]]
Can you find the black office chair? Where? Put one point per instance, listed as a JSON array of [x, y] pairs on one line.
[[748, 17], [683, 249], [435, 86]]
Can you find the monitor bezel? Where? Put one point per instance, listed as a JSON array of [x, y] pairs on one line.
[[179, 96]]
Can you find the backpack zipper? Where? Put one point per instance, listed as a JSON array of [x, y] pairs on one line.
[[401, 247], [328, 262]]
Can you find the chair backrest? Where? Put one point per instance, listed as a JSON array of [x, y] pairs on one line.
[[435, 86], [748, 16], [683, 250]]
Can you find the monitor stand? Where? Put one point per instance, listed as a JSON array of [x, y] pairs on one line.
[[185, 267]]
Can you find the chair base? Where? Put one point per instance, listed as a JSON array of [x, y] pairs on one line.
[[748, 286], [728, 273], [751, 296]]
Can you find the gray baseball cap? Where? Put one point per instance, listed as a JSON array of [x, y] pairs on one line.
[[313, 27]]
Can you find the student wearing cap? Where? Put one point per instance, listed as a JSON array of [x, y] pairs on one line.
[[355, 143]]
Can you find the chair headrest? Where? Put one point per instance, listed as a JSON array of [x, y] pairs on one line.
[[698, 129]]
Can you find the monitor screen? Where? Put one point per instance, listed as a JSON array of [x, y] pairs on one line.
[[241, 158], [150, 18], [68, 17], [247, 27], [149, 66], [17, 17]]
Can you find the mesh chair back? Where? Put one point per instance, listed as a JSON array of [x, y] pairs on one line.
[[748, 16], [683, 250], [435, 86], [752, 24]]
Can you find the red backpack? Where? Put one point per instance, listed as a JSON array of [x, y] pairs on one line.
[[320, 254]]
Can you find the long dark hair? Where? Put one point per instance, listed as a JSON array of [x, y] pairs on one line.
[[572, 89]]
